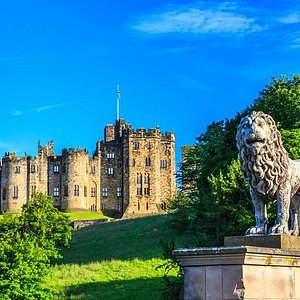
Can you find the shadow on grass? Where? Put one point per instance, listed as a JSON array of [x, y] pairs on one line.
[[142, 288]]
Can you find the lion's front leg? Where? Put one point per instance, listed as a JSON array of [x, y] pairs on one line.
[[294, 215], [260, 214], [283, 196]]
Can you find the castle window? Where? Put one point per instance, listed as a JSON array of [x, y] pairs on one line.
[[16, 192], [56, 168], [110, 155], [139, 178], [139, 191], [110, 171], [163, 164], [119, 207], [85, 191], [146, 191], [66, 191], [149, 146], [136, 145], [133, 163], [93, 192], [105, 192], [147, 178], [4, 194], [33, 190], [32, 169], [148, 161], [76, 190], [147, 205], [163, 206], [139, 206], [119, 192], [56, 192], [18, 169], [93, 169]]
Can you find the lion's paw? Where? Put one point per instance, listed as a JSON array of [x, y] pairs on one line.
[[255, 230], [279, 229]]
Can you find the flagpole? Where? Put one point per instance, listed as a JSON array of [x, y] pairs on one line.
[[118, 102]]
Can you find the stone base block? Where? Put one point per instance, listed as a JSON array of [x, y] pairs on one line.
[[283, 241], [240, 273]]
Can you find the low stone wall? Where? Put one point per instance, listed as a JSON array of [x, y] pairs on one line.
[[77, 224]]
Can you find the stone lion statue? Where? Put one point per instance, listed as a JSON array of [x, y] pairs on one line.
[[272, 175]]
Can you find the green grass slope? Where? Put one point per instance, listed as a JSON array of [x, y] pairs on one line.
[[115, 260]]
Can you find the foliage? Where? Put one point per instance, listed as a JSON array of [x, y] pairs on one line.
[[215, 200], [173, 286], [27, 243]]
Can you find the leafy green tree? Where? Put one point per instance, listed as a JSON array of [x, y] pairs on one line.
[[27, 244], [216, 198]]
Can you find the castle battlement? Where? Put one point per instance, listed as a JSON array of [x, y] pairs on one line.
[[114, 181], [74, 152]]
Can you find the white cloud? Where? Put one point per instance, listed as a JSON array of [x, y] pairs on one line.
[[47, 107], [40, 108], [192, 19], [290, 19], [295, 43], [16, 113]]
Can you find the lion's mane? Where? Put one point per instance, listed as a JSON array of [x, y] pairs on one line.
[[265, 170]]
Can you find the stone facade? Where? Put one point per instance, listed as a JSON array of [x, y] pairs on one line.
[[131, 172]]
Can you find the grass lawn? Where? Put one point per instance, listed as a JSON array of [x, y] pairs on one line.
[[115, 260], [85, 215]]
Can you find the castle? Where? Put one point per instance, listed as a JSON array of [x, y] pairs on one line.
[[131, 172]]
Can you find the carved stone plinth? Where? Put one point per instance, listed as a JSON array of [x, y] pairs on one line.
[[244, 272], [283, 241]]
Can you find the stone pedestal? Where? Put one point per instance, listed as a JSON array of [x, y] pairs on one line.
[[244, 272]]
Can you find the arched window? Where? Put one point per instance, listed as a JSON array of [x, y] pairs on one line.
[[76, 190]]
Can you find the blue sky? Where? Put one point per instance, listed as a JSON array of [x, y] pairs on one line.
[[180, 65]]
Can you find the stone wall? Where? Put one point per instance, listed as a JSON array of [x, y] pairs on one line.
[[131, 172]]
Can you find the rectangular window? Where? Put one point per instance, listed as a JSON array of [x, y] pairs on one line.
[[56, 168], [33, 190], [110, 171], [18, 169], [56, 192], [16, 192], [139, 178], [139, 191], [110, 155], [148, 161], [85, 191], [119, 192], [163, 164], [136, 145], [4, 194], [133, 162], [93, 169], [105, 192], [147, 191], [93, 192], [66, 191], [32, 169], [147, 179], [76, 190]]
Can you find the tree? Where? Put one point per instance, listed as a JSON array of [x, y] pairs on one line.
[[216, 198], [27, 244]]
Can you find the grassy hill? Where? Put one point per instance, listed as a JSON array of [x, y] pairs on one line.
[[115, 260]]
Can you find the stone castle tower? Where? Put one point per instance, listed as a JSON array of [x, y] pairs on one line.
[[131, 172]]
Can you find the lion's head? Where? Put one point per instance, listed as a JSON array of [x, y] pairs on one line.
[[262, 155]]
